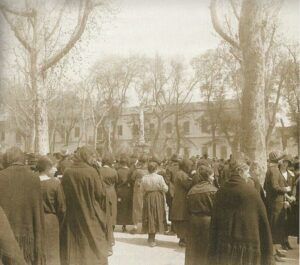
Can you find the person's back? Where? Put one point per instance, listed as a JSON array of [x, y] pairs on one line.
[[83, 235], [240, 232], [21, 200]]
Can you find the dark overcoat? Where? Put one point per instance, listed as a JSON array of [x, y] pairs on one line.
[[54, 208], [138, 196], [84, 231], [182, 183], [200, 203], [124, 193], [110, 178]]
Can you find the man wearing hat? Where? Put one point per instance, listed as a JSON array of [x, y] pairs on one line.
[[276, 186]]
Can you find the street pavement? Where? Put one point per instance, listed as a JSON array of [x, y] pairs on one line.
[[133, 250]]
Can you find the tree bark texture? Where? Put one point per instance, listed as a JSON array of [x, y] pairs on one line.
[[253, 104]]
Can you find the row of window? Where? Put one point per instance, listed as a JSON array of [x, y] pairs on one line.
[[151, 130]]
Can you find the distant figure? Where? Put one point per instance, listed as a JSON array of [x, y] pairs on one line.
[[239, 232], [137, 203], [83, 237], [255, 178], [110, 178], [64, 162], [54, 208], [153, 187], [200, 203], [171, 172], [21, 200], [124, 193]]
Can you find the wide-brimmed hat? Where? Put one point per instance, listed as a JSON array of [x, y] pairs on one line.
[[288, 158], [275, 156]]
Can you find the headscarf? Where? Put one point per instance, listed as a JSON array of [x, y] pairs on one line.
[[13, 155], [186, 165], [85, 154]]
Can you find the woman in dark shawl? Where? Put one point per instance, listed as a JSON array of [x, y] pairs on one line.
[[10, 253], [21, 200], [200, 203], [110, 178], [239, 232], [54, 208], [84, 230], [179, 211]]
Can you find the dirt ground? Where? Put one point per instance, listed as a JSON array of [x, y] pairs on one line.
[[133, 250]]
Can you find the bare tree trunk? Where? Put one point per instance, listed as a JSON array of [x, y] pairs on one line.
[[41, 110], [142, 125], [156, 136], [178, 136], [214, 147], [253, 102], [95, 136]]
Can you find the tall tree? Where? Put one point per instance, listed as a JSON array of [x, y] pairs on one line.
[[39, 38], [249, 48]]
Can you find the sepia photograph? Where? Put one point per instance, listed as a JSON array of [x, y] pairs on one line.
[[149, 132]]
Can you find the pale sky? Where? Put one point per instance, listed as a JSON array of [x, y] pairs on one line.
[[168, 27]]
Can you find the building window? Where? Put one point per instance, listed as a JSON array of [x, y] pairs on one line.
[[18, 137], [168, 127], [120, 130], [186, 152], [186, 127], [224, 152], [204, 150], [2, 135], [135, 130], [77, 132], [169, 152], [151, 129]]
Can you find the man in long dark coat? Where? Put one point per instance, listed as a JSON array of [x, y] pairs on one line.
[[239, 231], [21, 200], [124, 193], [84, 232]]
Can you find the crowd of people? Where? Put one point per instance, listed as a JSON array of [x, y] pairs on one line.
[[64, 208]]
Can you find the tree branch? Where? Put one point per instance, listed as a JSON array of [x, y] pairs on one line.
[[77, 33], [49, 35], [217, 26], [30, 13], [16, 32], [234, 9]]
